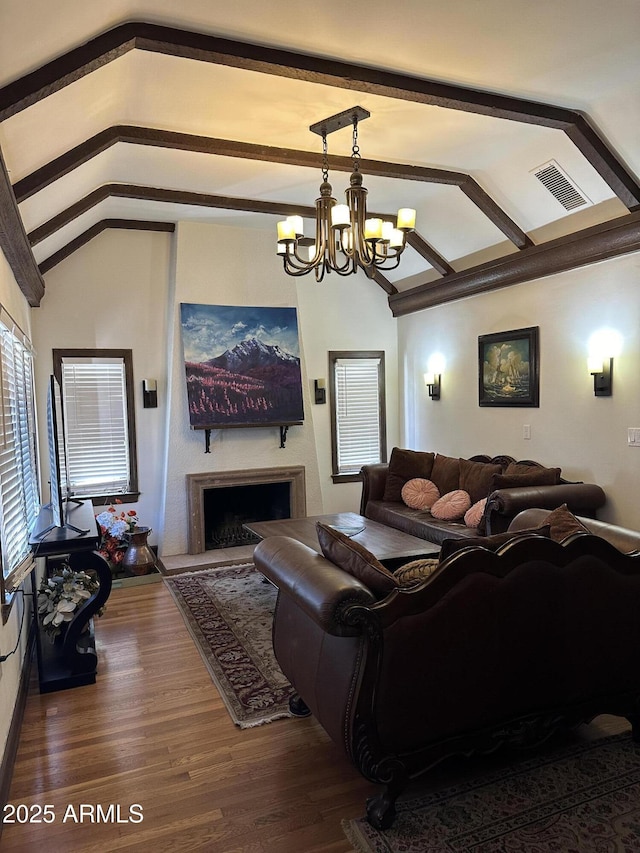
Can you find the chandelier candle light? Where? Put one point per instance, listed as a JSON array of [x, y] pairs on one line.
[[345, 238]]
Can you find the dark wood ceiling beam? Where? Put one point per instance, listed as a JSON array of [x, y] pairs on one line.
[[15, 245], [70, 160], [604, 161], [163, 195], [429, 253], [206, 48], [381, 280], [495, 213], [65, 163], [66, 69], [597, 243], [98, 228]]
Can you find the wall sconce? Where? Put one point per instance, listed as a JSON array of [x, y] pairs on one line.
[[604, 345], [433, 376], [601, 369], [432, 381], [320, 391], [150, 393]]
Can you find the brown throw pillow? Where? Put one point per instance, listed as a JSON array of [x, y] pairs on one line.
[[563, 523], [353, 558], [416, 571], [492, 543], [527, 476], [406, 465], [518, 468], [446, 473], [476, 478]]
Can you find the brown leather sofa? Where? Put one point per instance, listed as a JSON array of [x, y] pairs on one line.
[[502, 506], [493, 648]]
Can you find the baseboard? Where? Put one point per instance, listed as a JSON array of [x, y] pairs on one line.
[[13, 738]]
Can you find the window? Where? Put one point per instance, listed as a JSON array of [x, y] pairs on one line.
[[19, 495], [99, 424], [358, 417]]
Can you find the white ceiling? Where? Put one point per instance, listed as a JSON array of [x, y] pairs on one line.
[[577, 54]]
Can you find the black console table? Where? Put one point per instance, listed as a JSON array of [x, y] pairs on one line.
[[71, 660]]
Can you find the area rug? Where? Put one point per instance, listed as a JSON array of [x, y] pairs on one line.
[[229, 613], [580, 799]]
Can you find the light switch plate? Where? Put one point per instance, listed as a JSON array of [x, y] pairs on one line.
[[633, 436]]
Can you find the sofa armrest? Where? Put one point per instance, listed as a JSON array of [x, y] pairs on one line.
[[504, 504], [374, 480], [319, 587]]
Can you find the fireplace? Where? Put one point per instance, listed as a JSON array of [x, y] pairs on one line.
[[220, 502]]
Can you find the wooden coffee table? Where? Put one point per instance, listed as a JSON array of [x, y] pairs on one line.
[[392, 547]]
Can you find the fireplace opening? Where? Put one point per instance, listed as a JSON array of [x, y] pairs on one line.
[[287, 501], [226, 509]]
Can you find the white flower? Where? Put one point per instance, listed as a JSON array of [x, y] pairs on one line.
[[118, 528]]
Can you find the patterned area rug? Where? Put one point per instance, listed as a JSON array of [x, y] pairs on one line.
[[229, 613], [581, 799]]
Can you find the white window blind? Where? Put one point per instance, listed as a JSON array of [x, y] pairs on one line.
[[94, 396], [19, 495], [357, 392]]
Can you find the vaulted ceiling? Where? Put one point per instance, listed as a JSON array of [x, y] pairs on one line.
[[142, 113]]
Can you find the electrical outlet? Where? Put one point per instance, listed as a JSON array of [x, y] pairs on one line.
[[633, 436], [526, 431]]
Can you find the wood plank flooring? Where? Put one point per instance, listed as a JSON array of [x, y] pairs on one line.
[[154, 732]]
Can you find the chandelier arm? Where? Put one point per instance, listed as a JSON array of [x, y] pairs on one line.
[[381, 266], [345, 267]]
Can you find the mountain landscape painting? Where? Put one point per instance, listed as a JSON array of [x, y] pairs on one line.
[[242, 365]]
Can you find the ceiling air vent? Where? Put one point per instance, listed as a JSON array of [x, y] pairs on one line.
[[561, 186]]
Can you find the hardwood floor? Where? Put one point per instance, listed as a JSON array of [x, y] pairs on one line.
[[153, 732]]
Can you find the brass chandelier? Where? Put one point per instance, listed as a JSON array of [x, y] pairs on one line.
[[345, 237]]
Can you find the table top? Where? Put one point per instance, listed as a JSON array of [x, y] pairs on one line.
[[384, 542], [80, 532]]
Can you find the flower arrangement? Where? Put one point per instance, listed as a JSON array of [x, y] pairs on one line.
[[114, 525], [60, 596]]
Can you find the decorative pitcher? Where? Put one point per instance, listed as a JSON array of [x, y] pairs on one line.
[[139, 558]]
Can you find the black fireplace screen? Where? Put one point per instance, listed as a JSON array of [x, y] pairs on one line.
[[227, 509]]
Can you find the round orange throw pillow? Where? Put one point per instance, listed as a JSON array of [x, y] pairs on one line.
[[419, 493], [451, 506]]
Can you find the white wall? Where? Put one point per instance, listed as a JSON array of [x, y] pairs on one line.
[[225, 265], [14, 302], [350, 313], [584, 435], [113, 293]]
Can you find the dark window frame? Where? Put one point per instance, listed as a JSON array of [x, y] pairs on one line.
[[127, 357], [335, 355]]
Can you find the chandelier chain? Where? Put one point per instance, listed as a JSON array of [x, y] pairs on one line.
[[355, 149], [325, 159]]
